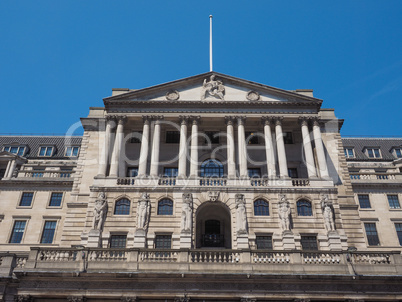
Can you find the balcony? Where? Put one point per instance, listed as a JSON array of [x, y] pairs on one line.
[[376, 178]]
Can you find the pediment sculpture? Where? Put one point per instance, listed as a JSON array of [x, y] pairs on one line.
[[213, 88]]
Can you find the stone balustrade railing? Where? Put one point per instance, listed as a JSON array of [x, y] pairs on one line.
[[376, 176], [46, 174], [300, 182], [167, 181], [213, 182]]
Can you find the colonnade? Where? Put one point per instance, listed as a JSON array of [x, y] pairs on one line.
[[271, 124]]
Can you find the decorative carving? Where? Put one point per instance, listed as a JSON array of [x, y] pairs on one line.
[[241, 215], [213, 196], [213, 87], [327, 212], [100, 212], [284, 213], [182, 299], [128, 299], [144, 205], [253, 96], [23, 298], [172, 95], [187, 213], [76, 299]]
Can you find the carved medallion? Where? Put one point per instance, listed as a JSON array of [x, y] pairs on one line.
[[213, 196], [172, 95], [253, 96]]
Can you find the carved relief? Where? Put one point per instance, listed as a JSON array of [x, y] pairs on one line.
[[213, 88], [100, 212], [241, 215], [213, 196], [284, 213], [253, 96], [144, 206], [172, 95], [182, 299], [187, 213], [327, 212], [76, 299]]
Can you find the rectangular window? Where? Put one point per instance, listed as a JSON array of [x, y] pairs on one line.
[[46, 151], [254, 172], [48, 232], [136, 137], [393, 202], [398, 227], [364, 201], [132, 172], [38, 172], [55, 200], [371, 233], [163, 241], [72, 151], [292, 172], [170, 172], [212, 137], [18, 231], [309, 243], [263, 242], [118, 241], [251, 138], [19, 150], [398, 153], [172, 137], [373, 152], [288, 138], [26, 199], [349, 153]]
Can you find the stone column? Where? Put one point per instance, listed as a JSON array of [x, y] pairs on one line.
[[7, 169], [11, 170], [155, 147], [142, 165], [114, 166], [269, 147], [230, 147], [194, 147], [308, 150], [322, 162], [104, 158], [280, 144], [241, 137], [183, 147]]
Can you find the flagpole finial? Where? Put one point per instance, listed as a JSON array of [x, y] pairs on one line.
[[210, 42], [210, 16]]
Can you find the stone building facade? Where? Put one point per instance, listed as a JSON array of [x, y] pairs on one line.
[[209, 188]]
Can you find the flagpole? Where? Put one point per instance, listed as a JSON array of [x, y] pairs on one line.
[[210, 42]]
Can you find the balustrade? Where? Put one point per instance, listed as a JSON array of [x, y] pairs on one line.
[[371, 258], [321, 258], [167, 181], [108, 255], [270, 257], [45, 174], [126, 181], [158, 256], [219, 256], [213, 182], [57, 255], [300, 182]]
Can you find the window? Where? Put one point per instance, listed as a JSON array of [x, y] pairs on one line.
[[2, 173], [48, 232], [304, 208], [393, 202], [364, 201], [211, 168], [18, 231], [122, 207], [46, 151], [170, 172], [263, 242], [118, 241], [398, 227], [172, 137], [212, 137], [72, 151], [288, 138], [292, 172], [349, 152], [371, 233], [136, 138], [254, 172], [251, 138], [55, 199], [26, 199], [38, 172], [398, 152], [163, 241], [261, 208], [132, 172], [309, 243], [165, 207], [373, 152], [18, 150]]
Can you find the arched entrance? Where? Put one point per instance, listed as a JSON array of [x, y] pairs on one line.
[[213, 227]]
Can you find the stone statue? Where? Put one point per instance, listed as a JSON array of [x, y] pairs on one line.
[[100, 212], [213, 88], [144, 206], [284, 213], [241, 215], [187, 213], [328, 214]]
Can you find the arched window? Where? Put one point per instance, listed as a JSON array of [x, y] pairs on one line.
[[304, 208], [165, 207], [211, 168], [122, 207], [261, 207]]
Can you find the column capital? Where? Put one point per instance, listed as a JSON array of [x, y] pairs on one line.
[[229, 120], [184, 119], [121, 119], [316, 121], [241, 119], [147, 119], [303, 120], [267, 120], [157, 118], [195, 119], [278, 120], [110, 118]]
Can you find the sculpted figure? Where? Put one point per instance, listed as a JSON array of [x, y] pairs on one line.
[[328, 214], [241, 215], [144, 206], [187, 212], [284, 213], [100, 212], [213, 88]]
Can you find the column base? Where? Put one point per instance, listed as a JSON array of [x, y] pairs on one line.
[[185, 240], [140, 237], [242, 241], [94, 239]]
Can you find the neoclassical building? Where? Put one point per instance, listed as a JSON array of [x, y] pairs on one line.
[[208, 188]]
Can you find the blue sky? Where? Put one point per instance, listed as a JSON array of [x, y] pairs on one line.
[[58, 58]]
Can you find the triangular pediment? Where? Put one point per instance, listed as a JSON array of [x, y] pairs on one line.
[[212, 88]]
